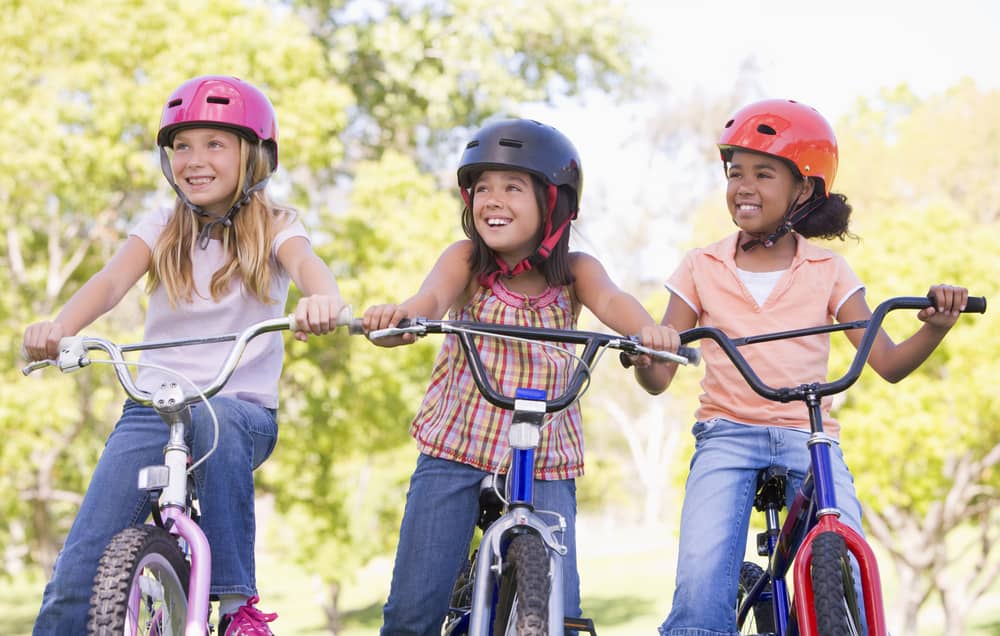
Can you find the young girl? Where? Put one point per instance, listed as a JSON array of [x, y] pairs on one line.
[[521, 184], [218, 262], [780, 158]]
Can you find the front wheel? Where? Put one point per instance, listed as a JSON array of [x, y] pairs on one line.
[[760, 619], [523, 605], [834, 598], [141, 585]]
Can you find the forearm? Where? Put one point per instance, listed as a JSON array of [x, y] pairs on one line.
[[656, 377], [95, 298], [900, 360], [315, 278]]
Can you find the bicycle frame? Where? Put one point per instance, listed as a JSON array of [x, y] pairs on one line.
[[529, 407], [173, 404], [814, 509]]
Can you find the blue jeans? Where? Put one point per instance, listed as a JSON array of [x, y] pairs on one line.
[[716, 515], [113, 502], [442, 507]]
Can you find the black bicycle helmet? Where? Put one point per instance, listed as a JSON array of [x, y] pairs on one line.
[[523, 144]]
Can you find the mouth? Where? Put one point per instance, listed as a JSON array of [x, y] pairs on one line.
[[495, 221], [748, 207], [196, 182]]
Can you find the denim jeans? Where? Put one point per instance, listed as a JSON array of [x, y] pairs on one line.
[[442, 507], [716, 515], [113, 502]]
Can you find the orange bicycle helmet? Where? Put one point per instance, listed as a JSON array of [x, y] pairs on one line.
[[787, 129]]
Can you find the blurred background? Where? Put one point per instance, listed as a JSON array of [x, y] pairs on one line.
[[375, 100]]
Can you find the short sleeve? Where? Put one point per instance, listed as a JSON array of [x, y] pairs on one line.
[[682, 283], [846, 283], [293, 229], [151, 226]]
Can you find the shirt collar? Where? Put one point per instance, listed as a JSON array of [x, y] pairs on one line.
[[725, 250]]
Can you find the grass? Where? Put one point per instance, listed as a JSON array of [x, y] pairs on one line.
[[626, 574]]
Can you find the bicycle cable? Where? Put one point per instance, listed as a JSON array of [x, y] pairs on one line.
[[201, 394]]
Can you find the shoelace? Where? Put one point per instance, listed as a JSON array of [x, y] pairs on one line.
[[251, 621]]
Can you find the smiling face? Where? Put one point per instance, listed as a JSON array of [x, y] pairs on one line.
[[206, 167], [506, 213], [760, 190]]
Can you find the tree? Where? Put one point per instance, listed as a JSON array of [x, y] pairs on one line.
[[81, 105], [913, 185]]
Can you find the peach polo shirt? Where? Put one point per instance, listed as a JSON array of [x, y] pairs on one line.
[[809, 293]]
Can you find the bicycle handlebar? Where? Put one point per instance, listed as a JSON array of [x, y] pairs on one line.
[[592, 341], [73, 354], [975, 304]]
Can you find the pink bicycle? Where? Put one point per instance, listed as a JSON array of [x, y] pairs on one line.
[[154, 579]]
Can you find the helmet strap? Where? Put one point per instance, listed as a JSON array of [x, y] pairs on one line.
[[205, 233], [792, 217], [549, 241]]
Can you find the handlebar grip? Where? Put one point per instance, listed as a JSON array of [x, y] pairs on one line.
[[344, 319], [975, 305], [693, 355]]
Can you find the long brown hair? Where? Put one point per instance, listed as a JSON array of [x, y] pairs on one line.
[[247, 242]]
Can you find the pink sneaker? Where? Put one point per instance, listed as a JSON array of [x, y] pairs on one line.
[[247, 621]]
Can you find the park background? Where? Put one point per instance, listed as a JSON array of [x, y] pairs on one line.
[[374, 101]]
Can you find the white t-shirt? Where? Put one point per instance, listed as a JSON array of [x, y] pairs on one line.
[[760, 284], [256, 377]]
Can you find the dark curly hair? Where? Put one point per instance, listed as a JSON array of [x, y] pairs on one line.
[[829, 219]]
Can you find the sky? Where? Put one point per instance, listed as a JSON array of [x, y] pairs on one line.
[[825, 54]]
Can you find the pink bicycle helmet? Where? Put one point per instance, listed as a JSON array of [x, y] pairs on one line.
[[221, 101]]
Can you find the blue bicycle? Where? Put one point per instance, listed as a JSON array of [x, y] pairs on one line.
[[513, 583], [812, 540]]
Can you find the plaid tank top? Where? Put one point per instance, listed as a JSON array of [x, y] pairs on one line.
[[456, 422]]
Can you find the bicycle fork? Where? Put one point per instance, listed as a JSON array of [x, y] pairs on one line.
[[170, 479], [524, 436]]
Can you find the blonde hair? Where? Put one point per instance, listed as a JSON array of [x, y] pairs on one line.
[[247, 242]]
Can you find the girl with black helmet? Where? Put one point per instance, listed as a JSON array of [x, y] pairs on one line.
[[521, 183], [780, 158], [220, 260]]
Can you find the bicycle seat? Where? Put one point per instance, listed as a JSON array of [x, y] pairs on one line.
[[771, 484], [490, 504]]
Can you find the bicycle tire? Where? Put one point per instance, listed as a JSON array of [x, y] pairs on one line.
[[523, 601], [141, 585], [834, 598], [760, 619]]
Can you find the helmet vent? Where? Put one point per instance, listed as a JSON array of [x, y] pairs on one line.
[[174, 103], [764, 129], [729, 123], [512, 143], [217, 100], [473, 144]]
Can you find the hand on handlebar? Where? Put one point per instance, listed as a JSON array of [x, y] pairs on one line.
[[41, 340], [658, 337], [385, 316], [948, 302], [317, 315]]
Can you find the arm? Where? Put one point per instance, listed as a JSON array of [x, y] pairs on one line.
[[656, 378], [896, 361], [100, 294], [623, 313], [447, 282], [317, 311]]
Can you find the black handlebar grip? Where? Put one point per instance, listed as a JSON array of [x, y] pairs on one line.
[[975, 305]]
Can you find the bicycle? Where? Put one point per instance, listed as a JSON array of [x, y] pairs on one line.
[[513, 583], [154, 579], [812, 541]]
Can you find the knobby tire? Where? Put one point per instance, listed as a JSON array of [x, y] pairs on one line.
[[523, 605], [141, 585], [834, 598], [760, 619]]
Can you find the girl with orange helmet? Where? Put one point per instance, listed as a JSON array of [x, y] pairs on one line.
[[521, 182], [780, 159], [219, 260]]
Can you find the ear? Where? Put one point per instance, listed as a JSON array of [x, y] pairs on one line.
[[806, 188]]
